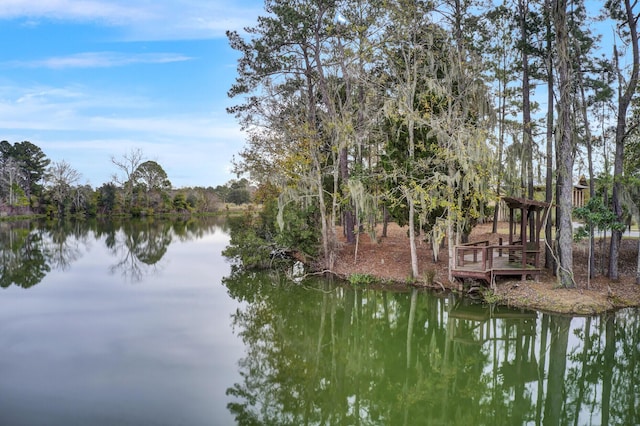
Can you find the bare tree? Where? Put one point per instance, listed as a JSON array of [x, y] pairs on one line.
[[11, 176], [60, 179], [127, 165]]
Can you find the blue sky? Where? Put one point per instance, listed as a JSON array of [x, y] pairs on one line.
[[86, 80]]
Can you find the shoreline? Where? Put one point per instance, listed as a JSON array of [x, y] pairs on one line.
[[527, 295], [384, 263]]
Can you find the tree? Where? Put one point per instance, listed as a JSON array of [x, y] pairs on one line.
[[565, 148], [288, 107], [152, 177], [439, 110], [127, 165], [106, 198], [12, 177], [549, 171], [83, 200], [500, 59], [623, 11], [585, 66], [527, 123], [60, 179], [597, 216], [409, 46], [239, 192], [32, 161]]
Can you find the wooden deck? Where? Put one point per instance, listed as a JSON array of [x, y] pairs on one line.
[[482, 261]]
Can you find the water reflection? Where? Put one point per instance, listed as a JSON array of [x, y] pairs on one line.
[[322, 354], [138, 247], [23, 260], [29, 250]]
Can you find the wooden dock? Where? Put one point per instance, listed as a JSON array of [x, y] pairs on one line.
[[482, 261]]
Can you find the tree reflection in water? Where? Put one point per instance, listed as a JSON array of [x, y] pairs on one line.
[[29, 250], [324, 354], [64, 242], [23, 262], [138, 246]]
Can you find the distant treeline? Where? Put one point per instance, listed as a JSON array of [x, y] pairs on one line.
[[30, 183]]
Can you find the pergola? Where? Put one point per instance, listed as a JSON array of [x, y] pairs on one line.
[[481, 260], [532, 215]]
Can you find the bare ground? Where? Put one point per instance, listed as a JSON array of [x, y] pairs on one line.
[[388, 259]]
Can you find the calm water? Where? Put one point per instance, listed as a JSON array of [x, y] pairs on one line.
[[144, 323]]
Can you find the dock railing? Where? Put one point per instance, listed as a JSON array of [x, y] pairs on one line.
[[475, 249], [480, 255]]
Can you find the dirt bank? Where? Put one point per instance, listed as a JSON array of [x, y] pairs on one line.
[[388, 259]]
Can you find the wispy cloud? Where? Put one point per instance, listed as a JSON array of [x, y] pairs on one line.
[[85, 126], [81, 109], [98, 60], [113, 12], [142, 19]]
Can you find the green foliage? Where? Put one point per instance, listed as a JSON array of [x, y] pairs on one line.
[[33, 161], [180, 202], [597, 216], [106, 198], [152, 176], [488, 296], [239, 196], [360, 280], [146, 190], [257, 241], [249, 245], [20, 197], [301, 231]]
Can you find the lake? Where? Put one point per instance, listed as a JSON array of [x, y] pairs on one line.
[[145, 323]]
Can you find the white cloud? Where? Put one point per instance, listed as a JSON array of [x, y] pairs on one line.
[[99, 60], [142, 19], [112, 12], [194, 149], [76, 109]]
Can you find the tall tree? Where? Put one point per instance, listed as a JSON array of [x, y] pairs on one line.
[[527, 123], [411, 39], [12, 179], [440, 106], [499, 58], [288, 104], [549, 170], [61, 178], [589, 90], [152, 177], [33, 161], [565, 148], [127, 166], [623, 11]]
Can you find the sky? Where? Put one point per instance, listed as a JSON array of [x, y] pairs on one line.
[[91, 80]]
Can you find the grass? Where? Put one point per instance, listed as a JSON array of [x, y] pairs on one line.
[[357, 279]]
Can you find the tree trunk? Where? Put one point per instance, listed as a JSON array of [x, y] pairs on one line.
[[638, 265], [502, 121], [548, 258], [412, 237], [385, 221], [565, 149], [621, 129], [587, 136], [349, 220], [527, 130]]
